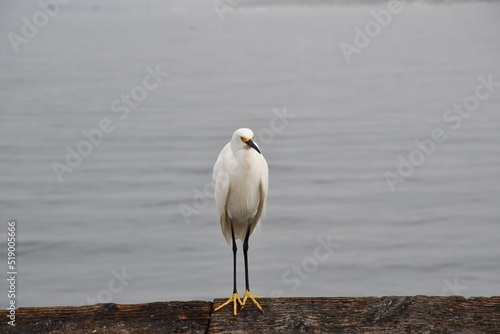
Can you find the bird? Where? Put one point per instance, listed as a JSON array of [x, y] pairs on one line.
[[240, 180]]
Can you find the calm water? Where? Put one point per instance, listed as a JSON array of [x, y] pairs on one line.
[[112, 229]]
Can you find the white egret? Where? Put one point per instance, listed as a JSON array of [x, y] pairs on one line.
[[240, 180]]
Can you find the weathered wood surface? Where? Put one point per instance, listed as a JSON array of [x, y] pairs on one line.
[[162, 317], [392, 314]]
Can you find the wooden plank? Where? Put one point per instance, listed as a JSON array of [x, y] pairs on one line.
[[161, 317], [391, 314]]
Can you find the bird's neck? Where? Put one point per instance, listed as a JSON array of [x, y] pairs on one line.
[[244, 158]]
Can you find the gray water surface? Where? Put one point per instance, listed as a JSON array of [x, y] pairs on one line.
[[113, 228]]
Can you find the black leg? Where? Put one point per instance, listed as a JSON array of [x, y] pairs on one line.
[[245, 254], [234, 258], [235, 299], [248, 295]]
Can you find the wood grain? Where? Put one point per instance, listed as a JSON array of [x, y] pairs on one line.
[[161, 317], [390, 314]]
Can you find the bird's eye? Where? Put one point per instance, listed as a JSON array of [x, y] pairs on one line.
[[242, 139]]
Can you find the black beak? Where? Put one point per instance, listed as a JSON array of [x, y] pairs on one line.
[[253, 145]]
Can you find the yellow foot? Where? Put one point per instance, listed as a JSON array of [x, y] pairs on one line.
[[235, 298], [248, 295]]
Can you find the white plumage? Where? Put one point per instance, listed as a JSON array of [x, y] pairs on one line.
[[240, 179]]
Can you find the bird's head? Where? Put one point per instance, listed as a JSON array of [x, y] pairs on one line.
[[243, 139]]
